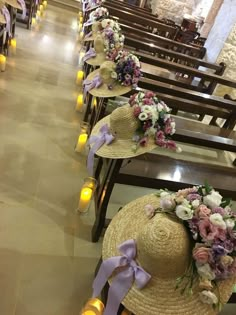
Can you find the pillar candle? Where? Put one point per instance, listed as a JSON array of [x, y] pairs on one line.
[[13, 45], [85, 198], [81, 19], [80, 103], [45, 3], [81, 35], [33, 21], [41, 8], [79, 78], [93, 307], [81, 143], [2, 63]]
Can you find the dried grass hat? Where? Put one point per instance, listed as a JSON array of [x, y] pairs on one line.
[[137, 128], [97, 15], [2, 16], [163, 250], [96, 29], [114, 78], [96, 56]]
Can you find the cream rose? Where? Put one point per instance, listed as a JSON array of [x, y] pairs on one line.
[[205, 271], [217, 220], [183, 212], [212, 200], [207, 297]]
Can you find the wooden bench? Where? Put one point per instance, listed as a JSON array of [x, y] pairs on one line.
[[132, 32], [122, 16], [31, 9]]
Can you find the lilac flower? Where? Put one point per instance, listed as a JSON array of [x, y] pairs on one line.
[[219, 210], [218, 250], [192, 197]]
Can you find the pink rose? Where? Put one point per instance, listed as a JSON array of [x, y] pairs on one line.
[[137, 111], [149, 94], [171, 145], [160, 135], [132, 98], [150, 211], [186, 191], [202, 211], [144, 141], [161, 143], [201, 254], [167, 129], [207, 230], [147, 101]]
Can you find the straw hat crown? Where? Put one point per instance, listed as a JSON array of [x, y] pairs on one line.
[[163, 247], [99, 44], [122, 122], [106, 70]]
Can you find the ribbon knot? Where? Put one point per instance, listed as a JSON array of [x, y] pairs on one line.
[[104, 137], [123, 281], [90, 84], [89, 54]]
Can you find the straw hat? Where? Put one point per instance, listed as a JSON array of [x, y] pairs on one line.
[[14, 4], [123, 125], [164, 251], [2, 17], [105, 72], [100, 54], [96, 28]]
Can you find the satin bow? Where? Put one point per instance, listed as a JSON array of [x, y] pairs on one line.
[[123, 281], [89, 54], [23, 8], [104, 137], [90, 84], [6, 14]]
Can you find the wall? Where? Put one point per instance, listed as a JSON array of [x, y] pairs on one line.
[[225, 20]]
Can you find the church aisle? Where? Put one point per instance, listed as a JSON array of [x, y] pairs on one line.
[[46, 257]]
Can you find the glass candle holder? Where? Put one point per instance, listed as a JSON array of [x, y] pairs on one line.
[[80, 77], [93, 307], [45, 3], [86, 194], [13, 45], [83, 137], [3, 60]]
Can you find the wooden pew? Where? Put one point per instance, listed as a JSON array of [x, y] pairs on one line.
[[132, 32], [131, 6], [122, 15], [30, 13], [2, 35]]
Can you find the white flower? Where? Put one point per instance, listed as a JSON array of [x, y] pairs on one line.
[[167, 116], [151, 131], [143, 116], [116, 37], [114, 75], [104, 23], [173, 130], [230, 223], [217, 220], [173, 124], [183, 212], [167, 203], [179, 150], [195, 203], [205, 271], [160, 107], [164, 193], [207, 297], [146, 108], [213, 200]]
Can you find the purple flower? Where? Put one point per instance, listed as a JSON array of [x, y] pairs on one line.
[[192, 197], [218, 250], [219, 210]]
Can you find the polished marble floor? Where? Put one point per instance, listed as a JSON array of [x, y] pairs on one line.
[[46, 257]]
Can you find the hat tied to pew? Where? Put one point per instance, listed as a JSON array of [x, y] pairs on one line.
[[93, 4], [182, 242], [5, 17], [97, 15], [117, 78], [106, 46], [138, 127], [18, 4]]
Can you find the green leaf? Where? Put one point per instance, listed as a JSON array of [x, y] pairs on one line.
[[225, 202], [208, 187]]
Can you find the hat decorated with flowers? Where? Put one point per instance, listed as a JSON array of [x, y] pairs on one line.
[[170, 253], [133, 129], [97, 15], [114, 78], [106, 44]]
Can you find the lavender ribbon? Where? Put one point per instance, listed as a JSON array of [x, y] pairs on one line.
[[89, 54], [23, 7], [123, 281], [90, 84], [6, 14], [104, 137], [84, 3], [89, 34], [37, 2]]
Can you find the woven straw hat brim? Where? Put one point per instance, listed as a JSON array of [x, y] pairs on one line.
[[119, 149], [2, 19], [103, 90], [92, 8], [97, 60], [159, 297], [90, 38], [14, 4]]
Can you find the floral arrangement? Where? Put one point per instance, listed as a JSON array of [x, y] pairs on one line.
[[98, 14], [94, 3], [113, 38], [155, 120], [128, 70], [211, 223]]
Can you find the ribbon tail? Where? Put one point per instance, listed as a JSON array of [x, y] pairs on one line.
[[104, 273], [118, 290], [92, 151]]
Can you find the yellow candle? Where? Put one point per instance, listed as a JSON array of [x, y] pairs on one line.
[[97, 304], [80, 103], [13, 45], [88, 313], [80, 27], [93, 306], [45, 3], [81, 143], [94, 102], [38, 13], [81, 19], [33, 21], [79, 78], [41, 8], [3, 62], [85, 197], [81, 35]]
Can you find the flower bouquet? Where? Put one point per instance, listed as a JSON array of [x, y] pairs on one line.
[[211, 223], [155, 120]]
